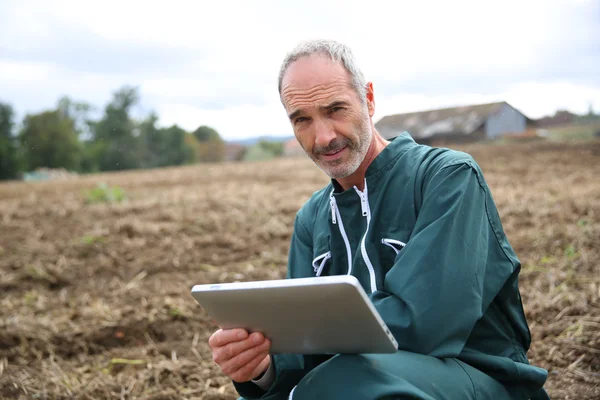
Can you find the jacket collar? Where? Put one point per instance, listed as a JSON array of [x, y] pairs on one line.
[[398, 146]]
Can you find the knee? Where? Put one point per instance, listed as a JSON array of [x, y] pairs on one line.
[[333, 372], [344, 376]]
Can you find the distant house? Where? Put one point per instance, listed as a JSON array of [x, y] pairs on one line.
[[458, 124], [292, 148]]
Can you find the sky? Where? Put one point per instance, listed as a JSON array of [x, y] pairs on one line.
[[216, 62]]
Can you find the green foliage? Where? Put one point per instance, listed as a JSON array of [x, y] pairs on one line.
[[264, 150], [77, 111], [105, 194], [575, 131], [91, 154], [570, 252], [210, 147], [9, 163], [206, 133], [50, 140], [89, 239], [274, 147], [164, 146], [116, 146], [66, 137], [258, 153], [127, 361]]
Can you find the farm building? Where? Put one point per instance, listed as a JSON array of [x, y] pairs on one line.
[[458, 124]]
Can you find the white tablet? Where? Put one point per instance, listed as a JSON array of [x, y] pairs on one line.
[[322, 315]]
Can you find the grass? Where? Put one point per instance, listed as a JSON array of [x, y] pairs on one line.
[[574, 131], [105, 194]]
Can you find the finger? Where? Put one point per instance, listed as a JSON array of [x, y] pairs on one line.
[[253, 368], [262, 367], [223, 337], [222, 354], [246, 357]]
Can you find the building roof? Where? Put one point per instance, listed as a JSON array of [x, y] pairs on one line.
[[424, 124]]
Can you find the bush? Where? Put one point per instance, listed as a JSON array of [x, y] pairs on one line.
[[105, 194]]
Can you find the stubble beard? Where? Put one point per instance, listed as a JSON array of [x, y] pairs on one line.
[[356, 152]]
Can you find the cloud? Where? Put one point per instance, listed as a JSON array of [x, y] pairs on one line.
[[234, 123], [217, 62]]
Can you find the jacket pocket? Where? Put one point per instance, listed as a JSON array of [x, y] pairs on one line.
[[396, 245], [319, 262], [321, 255]]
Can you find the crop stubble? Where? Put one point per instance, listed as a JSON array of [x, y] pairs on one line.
[[95, 297]]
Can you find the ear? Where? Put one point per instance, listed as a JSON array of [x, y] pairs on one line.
[[370, 99]]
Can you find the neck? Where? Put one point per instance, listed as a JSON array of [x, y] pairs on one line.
[[378, 143]]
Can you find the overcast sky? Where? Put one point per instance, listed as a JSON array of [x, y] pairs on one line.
[[216, 62]]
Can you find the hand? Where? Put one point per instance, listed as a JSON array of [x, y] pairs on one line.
[[240, 356]]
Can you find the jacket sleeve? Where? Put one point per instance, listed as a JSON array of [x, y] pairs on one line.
[[289, 368], [432, 296]]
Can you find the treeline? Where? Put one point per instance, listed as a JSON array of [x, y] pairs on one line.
[[67, 137]]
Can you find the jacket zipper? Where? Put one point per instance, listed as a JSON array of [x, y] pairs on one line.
[[336, 217], [366, 212]]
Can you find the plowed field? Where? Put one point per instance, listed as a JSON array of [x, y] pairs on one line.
[[94, 297]]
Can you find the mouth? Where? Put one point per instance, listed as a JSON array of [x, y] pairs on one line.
[[333, 155]]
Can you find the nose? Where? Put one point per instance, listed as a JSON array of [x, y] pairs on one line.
[[324, 133]]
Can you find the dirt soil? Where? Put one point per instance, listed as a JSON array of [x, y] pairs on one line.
[[95, 299]]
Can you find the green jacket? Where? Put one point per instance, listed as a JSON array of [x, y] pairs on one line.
[[425, 240]]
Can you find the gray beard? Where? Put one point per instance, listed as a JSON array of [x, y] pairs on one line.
[[357, 155]]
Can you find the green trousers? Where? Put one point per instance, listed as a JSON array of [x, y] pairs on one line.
[[401, 375]]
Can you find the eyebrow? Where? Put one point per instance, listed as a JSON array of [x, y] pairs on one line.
[[337, 103]]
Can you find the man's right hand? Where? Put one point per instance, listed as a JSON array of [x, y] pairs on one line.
[[240, 356]]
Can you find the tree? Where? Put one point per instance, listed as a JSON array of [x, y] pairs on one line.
[[178, 152], [113, 136], [206, 133], [161, 147], [9, 166], [49, 139], [78, 111], [211, 148]]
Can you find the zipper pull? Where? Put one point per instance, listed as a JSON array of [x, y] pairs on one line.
[[333, 207], [363, 204]]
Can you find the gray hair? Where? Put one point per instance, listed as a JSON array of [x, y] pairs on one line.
[[338, 53]]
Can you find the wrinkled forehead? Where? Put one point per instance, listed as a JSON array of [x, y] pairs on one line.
[[315, 78]]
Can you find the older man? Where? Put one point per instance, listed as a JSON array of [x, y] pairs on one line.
[[418, 227]]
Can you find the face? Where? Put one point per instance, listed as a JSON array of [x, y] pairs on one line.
[[330, 121]]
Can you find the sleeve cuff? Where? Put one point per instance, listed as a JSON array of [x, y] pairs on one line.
[[267, 379]]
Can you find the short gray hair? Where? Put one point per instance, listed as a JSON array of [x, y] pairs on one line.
[[338, 53]]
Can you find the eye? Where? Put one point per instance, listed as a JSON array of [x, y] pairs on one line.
[[335, 109], [300, 119]]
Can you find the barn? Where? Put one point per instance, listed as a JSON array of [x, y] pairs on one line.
[[458, 124]]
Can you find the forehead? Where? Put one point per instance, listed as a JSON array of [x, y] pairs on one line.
[[314, 79]]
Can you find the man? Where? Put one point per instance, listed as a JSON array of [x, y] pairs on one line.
[[418, 227]]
